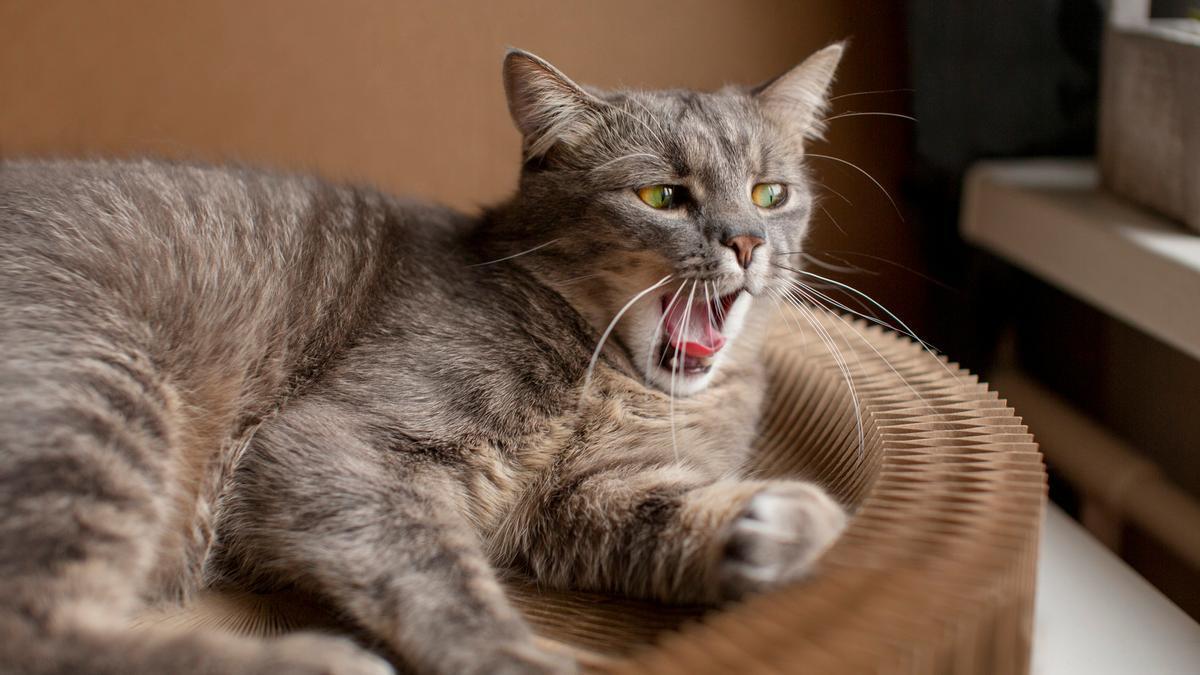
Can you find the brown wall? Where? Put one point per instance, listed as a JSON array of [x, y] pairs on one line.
[[407, 94]]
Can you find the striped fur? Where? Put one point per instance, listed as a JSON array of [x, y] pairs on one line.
[[229, 377]]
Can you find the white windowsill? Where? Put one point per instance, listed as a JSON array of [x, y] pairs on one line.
[[1096, 616], [1051, 218]]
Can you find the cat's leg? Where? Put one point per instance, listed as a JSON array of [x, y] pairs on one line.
[[87, 475], [666, 531], [379, 533]]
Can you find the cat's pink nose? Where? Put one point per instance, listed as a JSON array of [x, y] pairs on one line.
[[743, 247]]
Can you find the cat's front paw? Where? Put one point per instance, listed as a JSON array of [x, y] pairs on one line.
[[784, 528], [318, 654], [541, 659], [522, 657]]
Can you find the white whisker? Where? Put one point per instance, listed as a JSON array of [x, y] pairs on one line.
[[857, 114], [613, 324], [576, 279], [842, 321], [865, 310], [908, 331], [839, 359], [840, 255], [830, 266], [867, 93], [658, 329], [719, 306], [875, 320], [831, 218], [709, 304], [835, 192], [515, 255], [677, 364], [869, 176]]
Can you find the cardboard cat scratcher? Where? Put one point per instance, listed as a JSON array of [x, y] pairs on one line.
[[935, 573]]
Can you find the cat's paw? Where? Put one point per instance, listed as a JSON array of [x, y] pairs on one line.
[[507, 657], [531, 659], [318, 654], [784, 528]]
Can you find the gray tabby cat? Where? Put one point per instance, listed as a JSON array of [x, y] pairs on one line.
[[222, 376]]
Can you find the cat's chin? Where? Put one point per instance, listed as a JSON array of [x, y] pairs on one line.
[[683, 384]]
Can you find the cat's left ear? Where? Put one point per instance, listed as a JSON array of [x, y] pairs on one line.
[[547, 107], [799, 98]]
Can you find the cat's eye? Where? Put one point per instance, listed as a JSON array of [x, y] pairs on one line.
[[659, 196], [768, 195]]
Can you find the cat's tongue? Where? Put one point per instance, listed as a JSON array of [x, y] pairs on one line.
[[694, 330]]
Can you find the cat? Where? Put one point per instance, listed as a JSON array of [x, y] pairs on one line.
[[215, 376]]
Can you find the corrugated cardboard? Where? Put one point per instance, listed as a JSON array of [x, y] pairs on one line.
[[934, 575]]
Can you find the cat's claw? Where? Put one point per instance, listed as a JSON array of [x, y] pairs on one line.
[[784, 529]]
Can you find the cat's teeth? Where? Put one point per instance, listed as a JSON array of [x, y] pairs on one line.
[[687, 365]]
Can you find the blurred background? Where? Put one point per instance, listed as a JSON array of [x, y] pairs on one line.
[[1099, 347]]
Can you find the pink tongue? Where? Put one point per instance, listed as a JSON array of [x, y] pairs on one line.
[[700, 336]]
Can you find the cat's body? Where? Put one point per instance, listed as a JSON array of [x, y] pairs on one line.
[[225, 376]]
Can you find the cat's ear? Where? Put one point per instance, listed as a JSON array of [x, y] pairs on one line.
[[546, 105], [799, 98]]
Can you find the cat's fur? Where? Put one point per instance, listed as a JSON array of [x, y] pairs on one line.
[[215, 375]]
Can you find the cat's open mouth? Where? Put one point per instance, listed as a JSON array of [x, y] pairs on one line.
[[692, 334]]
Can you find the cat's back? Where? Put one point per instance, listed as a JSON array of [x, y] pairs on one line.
[[173, 306], [146, 223], [217, 270], [107, 219], [144, 237]]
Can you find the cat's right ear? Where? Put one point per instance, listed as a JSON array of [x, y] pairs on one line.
[[547, 107], [800, 97]]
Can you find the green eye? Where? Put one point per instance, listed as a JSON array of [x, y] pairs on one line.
[[768, 195], [657, 196]]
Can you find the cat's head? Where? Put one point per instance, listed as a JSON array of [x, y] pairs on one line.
[[679, 210]]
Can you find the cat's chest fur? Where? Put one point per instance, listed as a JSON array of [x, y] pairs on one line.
[[487, 371], [625, 424]]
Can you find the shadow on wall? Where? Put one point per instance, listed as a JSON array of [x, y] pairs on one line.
[[408, 95]]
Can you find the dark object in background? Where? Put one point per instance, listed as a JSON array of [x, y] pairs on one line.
[[1148, 145], [991, 78], [1164, 9], [997, 78]]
